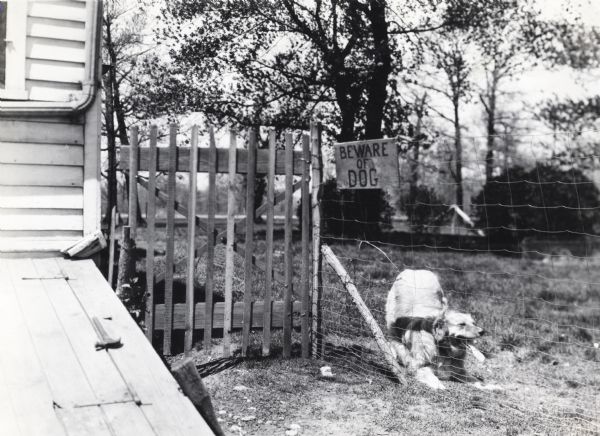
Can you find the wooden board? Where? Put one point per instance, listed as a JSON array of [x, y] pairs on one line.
[[167, 410], [53, 91], [183, 160], [57, 29], [40, 175], [39, 244], [62, 133], [41, 154], [55, 50], [257, 311], [62, 10], [25, 383], [64, 374], [42, 197], [101, 373], [41, 219]]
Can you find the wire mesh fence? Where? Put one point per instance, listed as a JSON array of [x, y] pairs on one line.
[[518, 251]]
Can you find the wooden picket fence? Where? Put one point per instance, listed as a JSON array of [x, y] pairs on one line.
[[266, 313]]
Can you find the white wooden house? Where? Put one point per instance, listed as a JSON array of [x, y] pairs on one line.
[[49, 123]]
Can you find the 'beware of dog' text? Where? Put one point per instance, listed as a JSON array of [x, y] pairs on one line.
[[371, 164]]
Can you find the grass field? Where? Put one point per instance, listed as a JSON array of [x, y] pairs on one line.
[[543, 321]]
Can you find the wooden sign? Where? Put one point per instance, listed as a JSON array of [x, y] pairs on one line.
[[370, 164]]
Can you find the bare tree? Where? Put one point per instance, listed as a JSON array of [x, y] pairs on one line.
[[123, 43]]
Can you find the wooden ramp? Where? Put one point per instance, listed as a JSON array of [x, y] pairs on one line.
[[53, 380]]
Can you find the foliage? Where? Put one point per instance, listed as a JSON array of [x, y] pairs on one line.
[[361, 213], [547, 199], [426, 211], [280, 63]]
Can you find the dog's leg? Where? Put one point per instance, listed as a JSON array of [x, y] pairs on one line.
[[401, 353], [425, 375]]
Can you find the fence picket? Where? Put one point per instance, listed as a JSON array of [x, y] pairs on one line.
[[247, 314], [151, 236], [229, 248], [249, 245], [170, 236], [191, 238], [210, 239], [266, 349], [305, 288], [288, 252]]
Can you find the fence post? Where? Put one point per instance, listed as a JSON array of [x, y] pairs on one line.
[[317, 277], [133, 170], [305, 288], [191, 246], [249, 245], [150, 234]]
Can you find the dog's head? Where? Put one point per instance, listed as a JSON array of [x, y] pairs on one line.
[[460, 325]]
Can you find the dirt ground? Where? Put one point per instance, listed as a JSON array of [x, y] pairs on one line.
[[289, 397]]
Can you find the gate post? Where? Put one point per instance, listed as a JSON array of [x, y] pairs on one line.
[[317, 279]]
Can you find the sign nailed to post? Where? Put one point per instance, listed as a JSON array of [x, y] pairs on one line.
[[370, 164]]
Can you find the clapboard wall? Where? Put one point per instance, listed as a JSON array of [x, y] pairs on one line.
[[49, 163], [41, 183], [55, 62]]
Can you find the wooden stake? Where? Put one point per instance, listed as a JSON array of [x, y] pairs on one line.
[[126, 261], [334, 262], [189, 379]]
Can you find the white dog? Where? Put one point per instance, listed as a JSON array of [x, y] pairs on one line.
[[424, 333]]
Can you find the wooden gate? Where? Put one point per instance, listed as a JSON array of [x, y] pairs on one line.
[[293, 308]]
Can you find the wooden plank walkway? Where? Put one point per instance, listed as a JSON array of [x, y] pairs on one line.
[[53, 380]]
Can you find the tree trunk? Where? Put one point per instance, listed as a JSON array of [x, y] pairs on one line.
[[382, 67], [491, 129], [414, 162], [347, 109], [109, 120], [458, 156]]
